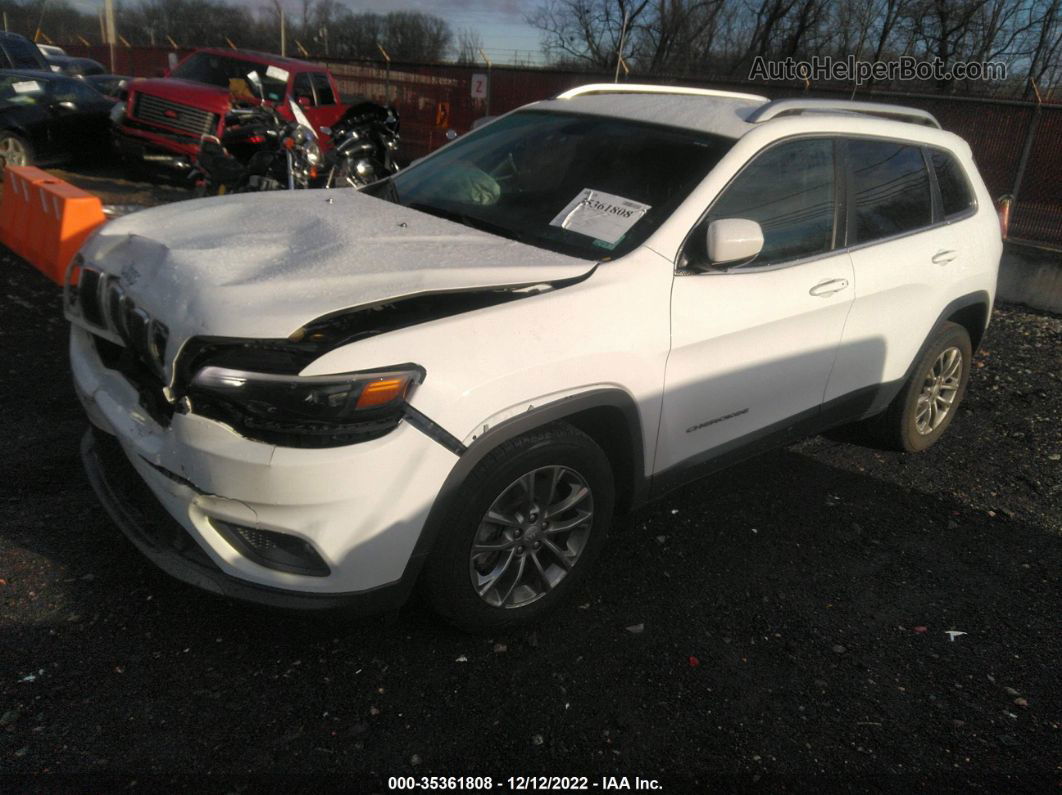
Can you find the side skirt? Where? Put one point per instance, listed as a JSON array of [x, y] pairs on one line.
[[855, 406]]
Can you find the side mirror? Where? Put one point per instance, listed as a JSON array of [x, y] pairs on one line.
[[733, 240], [305, 102]]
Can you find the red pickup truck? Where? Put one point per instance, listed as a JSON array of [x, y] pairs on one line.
[[165, 117]]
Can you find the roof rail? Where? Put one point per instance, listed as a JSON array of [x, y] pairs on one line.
[[645, 88], [792, 107]]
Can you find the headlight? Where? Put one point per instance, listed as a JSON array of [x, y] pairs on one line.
[[298, 411], [313, 153], [117, 112], [363, 168]]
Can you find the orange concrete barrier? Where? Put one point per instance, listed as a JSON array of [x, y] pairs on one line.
[[46, 220], [14, 209]]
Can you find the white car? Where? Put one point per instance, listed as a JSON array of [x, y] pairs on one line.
[[455, 380]]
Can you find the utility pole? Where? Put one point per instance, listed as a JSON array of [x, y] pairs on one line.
[[109, 28], [490, 79], [387, 59], [623, 40], [283, 32]]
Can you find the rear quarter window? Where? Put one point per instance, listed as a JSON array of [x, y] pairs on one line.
[[956, 197], [890, 189]]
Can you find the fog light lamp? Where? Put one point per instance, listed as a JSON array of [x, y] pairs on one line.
[[273, 550]]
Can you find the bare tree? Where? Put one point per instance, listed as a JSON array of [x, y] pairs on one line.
[[469, 44], [679, 36], [410, 35], [588, 31]]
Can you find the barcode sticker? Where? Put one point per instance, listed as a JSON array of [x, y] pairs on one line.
[[600, 215]]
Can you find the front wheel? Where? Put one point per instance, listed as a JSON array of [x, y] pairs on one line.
[[14, 150], [526, 527]]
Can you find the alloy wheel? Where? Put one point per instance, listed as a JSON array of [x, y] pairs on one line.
[[531, 536], [939, 391], [13, 152]]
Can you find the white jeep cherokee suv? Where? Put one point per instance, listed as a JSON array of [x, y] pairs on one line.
[[454, 380]]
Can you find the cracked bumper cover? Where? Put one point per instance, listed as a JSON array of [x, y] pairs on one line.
[[363, 507]]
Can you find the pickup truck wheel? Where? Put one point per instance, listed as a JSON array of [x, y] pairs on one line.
[[928, 402], [14, 150], [526, 526]]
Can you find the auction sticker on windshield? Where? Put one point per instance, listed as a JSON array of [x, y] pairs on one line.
[[600, 215], [26, 87], [277, 73]]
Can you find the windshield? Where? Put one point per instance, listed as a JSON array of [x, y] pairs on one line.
[[232, 73], [17, 90], [589, 186]]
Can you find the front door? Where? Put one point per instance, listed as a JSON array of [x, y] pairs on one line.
[[752, 345]]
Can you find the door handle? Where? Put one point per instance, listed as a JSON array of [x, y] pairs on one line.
[[828, 287], [943, 257]]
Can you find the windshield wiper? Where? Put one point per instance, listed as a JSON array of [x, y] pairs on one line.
[[468, 220]]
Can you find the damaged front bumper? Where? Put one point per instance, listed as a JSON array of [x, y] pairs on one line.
[[177, 490], [162, 540]]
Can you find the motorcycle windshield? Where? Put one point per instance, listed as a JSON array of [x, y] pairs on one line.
[[300, 117]]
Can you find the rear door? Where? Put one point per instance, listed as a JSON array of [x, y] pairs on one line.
[[753, 344], [902, 262]]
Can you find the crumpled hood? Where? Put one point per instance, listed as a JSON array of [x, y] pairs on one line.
[[262, 265]]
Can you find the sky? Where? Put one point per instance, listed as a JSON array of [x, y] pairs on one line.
[[501, 23]]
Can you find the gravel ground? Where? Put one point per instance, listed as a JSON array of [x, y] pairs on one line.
[[781, 625]]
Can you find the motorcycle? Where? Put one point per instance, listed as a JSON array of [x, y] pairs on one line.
[[365, 141], [259, 150]]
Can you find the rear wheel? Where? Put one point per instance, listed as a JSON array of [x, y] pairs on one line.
[[526, 527], [14, 150], [928, 402]]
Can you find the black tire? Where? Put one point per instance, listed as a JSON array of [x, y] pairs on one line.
[[447, 580], [5, 138], [898, 426]]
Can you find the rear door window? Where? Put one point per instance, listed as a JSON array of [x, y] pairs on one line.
[[890, 189], [955, 194]]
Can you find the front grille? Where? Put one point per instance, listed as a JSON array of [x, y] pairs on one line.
[[104, 305], [157, 111], [88, 293]]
